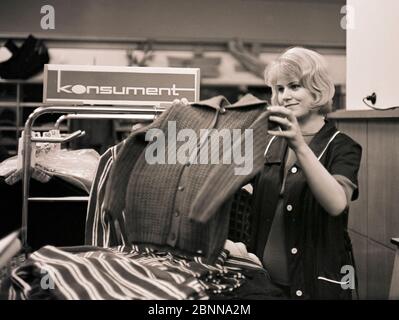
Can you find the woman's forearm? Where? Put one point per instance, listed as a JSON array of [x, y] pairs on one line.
[[327, 191]]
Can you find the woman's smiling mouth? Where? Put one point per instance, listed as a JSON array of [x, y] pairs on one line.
[[290, 105]]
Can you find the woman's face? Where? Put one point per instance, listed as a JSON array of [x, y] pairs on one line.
[[292, 95]]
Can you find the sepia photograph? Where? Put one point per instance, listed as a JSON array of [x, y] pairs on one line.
[[225, 152]]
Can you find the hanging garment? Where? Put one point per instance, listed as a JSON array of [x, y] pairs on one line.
[[98, 230], [76, 167], [184, 206]]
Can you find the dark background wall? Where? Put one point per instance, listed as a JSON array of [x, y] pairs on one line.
[[305, 22]]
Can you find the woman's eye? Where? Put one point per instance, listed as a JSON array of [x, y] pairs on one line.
[[280, 89], [295, 86]]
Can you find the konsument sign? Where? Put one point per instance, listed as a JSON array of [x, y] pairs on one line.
[[106, 85]]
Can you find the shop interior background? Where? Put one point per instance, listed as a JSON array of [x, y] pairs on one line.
[[358, 39]]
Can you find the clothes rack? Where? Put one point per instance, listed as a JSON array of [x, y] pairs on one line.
[[70, 112]]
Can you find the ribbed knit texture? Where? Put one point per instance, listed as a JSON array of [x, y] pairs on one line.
[[149, 192], [223, 181]]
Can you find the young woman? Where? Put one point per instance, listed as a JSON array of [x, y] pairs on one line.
[[301, 197]]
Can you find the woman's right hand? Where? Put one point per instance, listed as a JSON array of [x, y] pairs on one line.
[[288, 126]]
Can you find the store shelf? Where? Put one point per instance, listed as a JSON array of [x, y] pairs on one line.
[[251, 81], [35, 80], [41, 128], [7, 128], [7, 103]]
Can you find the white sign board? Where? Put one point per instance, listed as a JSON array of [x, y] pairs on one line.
[[105, 85]]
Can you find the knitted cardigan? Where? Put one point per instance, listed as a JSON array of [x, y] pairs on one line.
[[184, 207]]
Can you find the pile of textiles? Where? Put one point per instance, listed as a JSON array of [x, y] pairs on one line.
[[125, 272]]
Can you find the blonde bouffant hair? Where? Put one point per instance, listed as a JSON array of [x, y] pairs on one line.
[[310, 68]]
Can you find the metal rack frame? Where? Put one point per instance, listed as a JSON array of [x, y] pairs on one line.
[[103, 116], [71, 112]]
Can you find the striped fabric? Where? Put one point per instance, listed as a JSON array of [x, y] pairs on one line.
[[98, 231], [123, 272]]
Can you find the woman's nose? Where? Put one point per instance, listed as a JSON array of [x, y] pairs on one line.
[[286, 94]]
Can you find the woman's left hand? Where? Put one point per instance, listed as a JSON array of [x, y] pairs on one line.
[[289, 126]]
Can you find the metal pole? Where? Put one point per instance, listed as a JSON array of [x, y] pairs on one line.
[[145, 117]]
